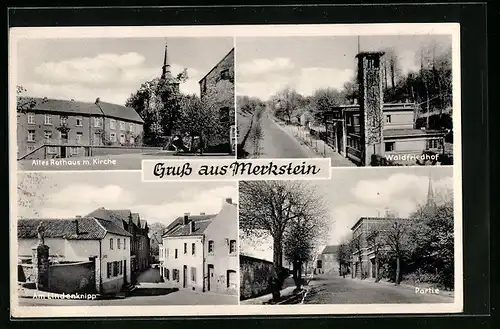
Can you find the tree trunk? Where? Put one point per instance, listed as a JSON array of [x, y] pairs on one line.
[[398, 270], [296, 274], [377, 263]]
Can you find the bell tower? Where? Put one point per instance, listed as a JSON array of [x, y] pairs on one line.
[[370, 100]]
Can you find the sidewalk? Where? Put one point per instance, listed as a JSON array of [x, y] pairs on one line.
[[317, 146]]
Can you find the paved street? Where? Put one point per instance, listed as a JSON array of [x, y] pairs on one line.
[[161, 296], [149, 275], [337, 290], [130, 161], [277, 143]]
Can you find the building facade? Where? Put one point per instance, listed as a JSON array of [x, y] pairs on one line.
[[200, 252], [131, 222], [327, 262], [217, 92], [52, 128], [80, 239], [372, 128]]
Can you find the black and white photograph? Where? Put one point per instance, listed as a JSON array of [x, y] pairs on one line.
[[107, 103], [371, 236], [106, 238], [381, 100]]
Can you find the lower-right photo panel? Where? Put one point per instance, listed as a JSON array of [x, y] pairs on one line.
[[366, 236]]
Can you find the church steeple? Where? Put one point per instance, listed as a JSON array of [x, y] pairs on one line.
[[166, 66], [430, 193]]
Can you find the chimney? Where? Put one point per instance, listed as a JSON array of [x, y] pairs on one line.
[[97, 100], [186, 218], [76, 225], [192, 227], [229, 200]]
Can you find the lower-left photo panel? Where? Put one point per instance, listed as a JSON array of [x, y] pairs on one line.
[[107, 238]]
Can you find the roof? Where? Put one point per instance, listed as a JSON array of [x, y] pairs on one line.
[[180, 220], [89, 228], [370, 53], [409, 132], [183, 230], [330, 250], [116, 216], [88, 108], [395, 219], [223, 58]]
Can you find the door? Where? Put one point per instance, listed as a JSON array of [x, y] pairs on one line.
[[210, 283], [184, 277], [63, 151]]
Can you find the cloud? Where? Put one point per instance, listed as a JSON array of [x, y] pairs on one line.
[[111, 77], [261, 66]]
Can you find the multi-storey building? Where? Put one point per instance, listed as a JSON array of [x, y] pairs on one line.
[[78, 239], [217, 92], [200, 252], [327, 262], [373, 128], [49, 128], [140, 243]]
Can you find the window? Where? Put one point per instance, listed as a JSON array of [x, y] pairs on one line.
[[51, 150], [47, 135], [121, 267], [193, 274], [30, 148], [31, 135], [433, 143], [79, 138], [112, 124], [224, 75], [175, 254], [356, 120], [388, 119], [118, 243], [185, 248], [389, 146], [64, 120], [31, 118], [79, 121], [97, 122], [193, 249], [109, 269], [47, 119], [112, 137], [231, 279], [73, 150], [63, 135], [122, 125], [131, 127], [111, 243], [122, 138], [210, 246], [125, 244], [168, 273], [224, 114], [116, 268], [232, 246]]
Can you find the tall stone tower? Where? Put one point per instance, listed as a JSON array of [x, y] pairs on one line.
[[370, 99]]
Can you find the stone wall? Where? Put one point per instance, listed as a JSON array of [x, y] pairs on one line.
[[254, 277], [72, 278]]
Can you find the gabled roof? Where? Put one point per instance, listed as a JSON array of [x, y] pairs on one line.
[[330, 250], [180, 220], [89, 228], [87, 108], [116, 217], [230, 53], [183, 230]]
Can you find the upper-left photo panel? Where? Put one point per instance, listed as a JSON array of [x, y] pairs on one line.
[[108, 103]]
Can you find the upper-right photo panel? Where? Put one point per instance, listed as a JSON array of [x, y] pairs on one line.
[[358, 100]]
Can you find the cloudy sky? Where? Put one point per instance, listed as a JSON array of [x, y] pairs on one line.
[[266, 65], [111, 68], [355, 193], [66, 195]]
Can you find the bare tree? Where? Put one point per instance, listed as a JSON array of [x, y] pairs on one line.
[[396, 238]]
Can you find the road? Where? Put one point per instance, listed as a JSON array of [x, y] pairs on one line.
[[131, 161], [149, 275], [337, 290], [275, 142]]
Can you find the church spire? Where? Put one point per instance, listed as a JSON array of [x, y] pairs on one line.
[[430, 193], [166, 66]]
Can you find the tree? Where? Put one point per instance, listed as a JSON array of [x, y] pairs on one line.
[[276, 209], [324, 100], [395, 236], [374, 239], [287, 103], [344, 255]]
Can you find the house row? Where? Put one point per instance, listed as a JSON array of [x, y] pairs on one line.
[[48, 128], [370, 127], [200, 252], [115, 240]]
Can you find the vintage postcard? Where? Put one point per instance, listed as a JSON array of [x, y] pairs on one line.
[[235, 170]]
